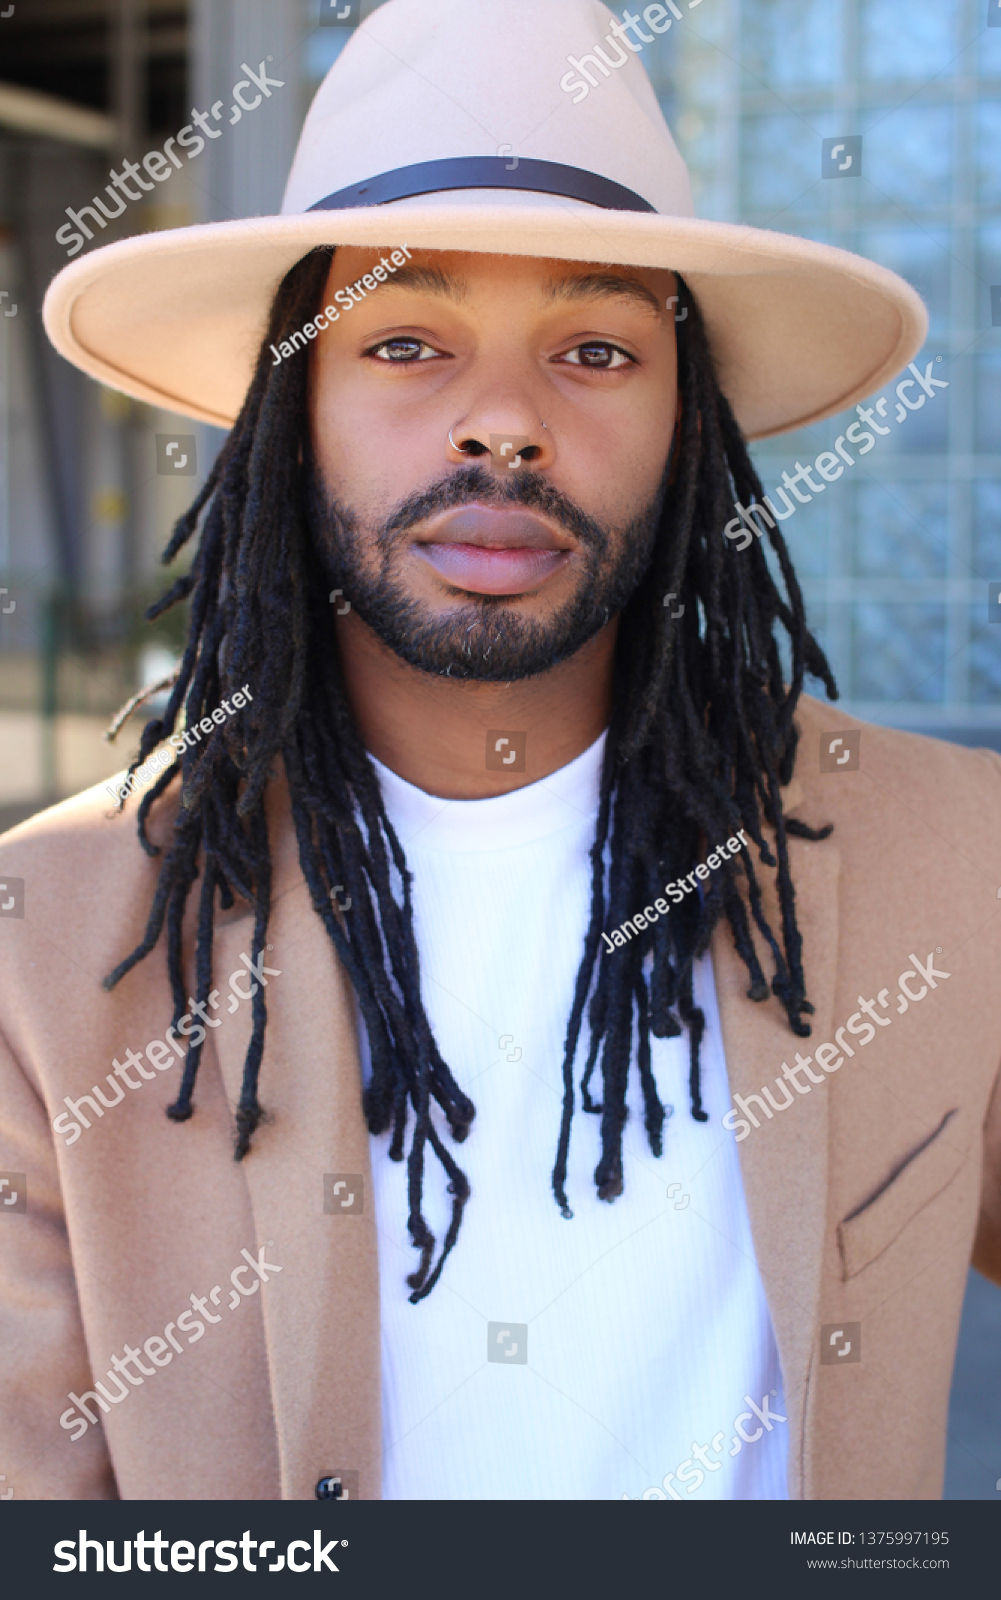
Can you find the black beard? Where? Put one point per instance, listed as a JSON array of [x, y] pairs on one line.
[[485, 639]]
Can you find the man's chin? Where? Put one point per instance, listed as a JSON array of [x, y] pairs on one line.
[[481, 643]]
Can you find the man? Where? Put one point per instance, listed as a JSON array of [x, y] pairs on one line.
[[496, 803]]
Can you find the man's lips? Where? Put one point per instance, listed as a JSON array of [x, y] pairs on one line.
[[494, 550]]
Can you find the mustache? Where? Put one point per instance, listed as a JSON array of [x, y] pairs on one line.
[[469, 484]]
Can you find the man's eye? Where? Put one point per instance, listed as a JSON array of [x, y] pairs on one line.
[[604, 356], [402, 350]]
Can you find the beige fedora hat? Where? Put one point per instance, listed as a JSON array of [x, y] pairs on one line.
[[462, 125]]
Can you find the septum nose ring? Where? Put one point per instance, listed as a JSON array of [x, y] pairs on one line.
[[462, 449]]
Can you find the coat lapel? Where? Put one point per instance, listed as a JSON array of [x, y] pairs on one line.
[[784, 1160], [321, 1312]]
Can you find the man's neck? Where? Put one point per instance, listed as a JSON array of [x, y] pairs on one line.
[[439, 733]]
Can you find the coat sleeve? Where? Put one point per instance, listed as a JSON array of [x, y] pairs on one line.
[[987, 1244], [41, 1334]]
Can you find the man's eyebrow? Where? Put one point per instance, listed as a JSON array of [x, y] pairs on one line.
[[429, 280], [602, 285]]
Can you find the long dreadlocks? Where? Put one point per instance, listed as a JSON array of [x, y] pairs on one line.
[[700, 739]]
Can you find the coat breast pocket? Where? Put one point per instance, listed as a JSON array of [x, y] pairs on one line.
[[914, 1182]]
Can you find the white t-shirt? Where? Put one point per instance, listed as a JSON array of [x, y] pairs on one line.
[[561, 1359]]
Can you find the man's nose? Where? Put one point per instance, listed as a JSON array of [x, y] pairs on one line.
[[513, 435]]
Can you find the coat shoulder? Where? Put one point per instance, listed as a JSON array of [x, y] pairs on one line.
[[902, 775], [85, 835], [82, 881]]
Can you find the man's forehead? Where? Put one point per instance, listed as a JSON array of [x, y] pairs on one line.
[[453, 278]]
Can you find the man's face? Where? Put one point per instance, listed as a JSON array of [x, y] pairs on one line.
[[462, 563]]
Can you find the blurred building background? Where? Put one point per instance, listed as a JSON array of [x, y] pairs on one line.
[[896, 557]]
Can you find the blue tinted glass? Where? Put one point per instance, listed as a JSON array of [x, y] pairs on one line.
[[985, 659], [898, 652], [907, 157], [816, 621], [987, 311], [806, 532], [926, 430], [789, 42], [780, 165], [987, 53], [988, 403], [986, 533], [901, 530], [988, 151], [922, 256], [902, 40]]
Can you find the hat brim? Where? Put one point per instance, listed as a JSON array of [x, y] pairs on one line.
[[799, 330]]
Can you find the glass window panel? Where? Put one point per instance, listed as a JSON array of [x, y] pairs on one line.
[[791, 42], [806, 443], [807, 533], [988, 150], [920, 432], [898, 652], [816, 621], [907, 157], [986, 533], [901, 40], [924, 431], [988, 391], [901, 530], [985, 660], [323, 46], [987, 52], [988, 273], [922, 256], [780, 165]]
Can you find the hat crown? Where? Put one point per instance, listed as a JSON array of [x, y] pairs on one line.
[[426, 80]]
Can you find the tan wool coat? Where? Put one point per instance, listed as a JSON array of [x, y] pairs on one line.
[[868, 1195]]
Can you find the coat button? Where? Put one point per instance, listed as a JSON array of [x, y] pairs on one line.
[[329, 1489]]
